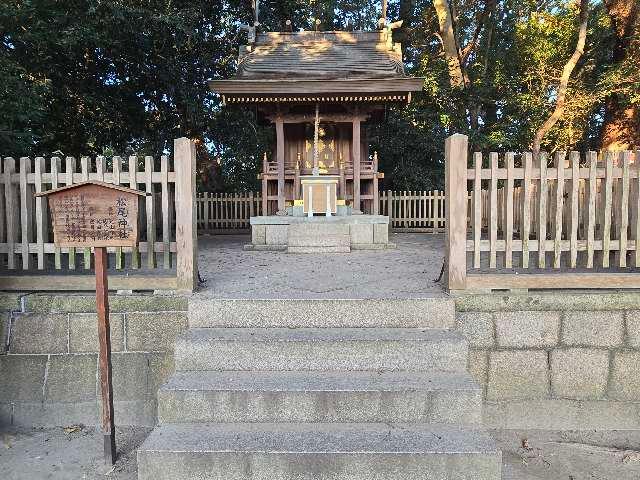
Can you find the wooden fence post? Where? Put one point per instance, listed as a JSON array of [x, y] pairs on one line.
[[184, 151], [455, 154]]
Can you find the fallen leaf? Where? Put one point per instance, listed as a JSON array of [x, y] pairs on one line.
[[631, 457], [72, 429], [7, 440]]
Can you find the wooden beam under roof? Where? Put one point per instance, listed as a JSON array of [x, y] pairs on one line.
[[325, 88], [325, 117], [331, 99]]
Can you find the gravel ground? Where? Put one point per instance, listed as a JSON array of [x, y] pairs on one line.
[[407, 271], [54, 454], [73, 454], [592, 455]]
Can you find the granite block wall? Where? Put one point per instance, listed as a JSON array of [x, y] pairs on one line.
[[556, 361], [49, 360]]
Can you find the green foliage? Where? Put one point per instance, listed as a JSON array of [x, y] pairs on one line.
[[86, 77], [22, 107]]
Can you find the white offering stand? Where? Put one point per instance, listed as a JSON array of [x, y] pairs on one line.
[[318, 187]]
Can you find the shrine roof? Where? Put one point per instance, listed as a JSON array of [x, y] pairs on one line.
[[329, 66]]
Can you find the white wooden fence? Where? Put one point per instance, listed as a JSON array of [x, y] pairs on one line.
[[414, 211], [30, 261], [573, 225], [408, 211], [227, 212]]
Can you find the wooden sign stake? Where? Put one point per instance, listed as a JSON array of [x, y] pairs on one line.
[[104, 336], [99, 215]]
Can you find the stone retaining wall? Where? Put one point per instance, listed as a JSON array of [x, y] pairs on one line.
[[555, 361], [49, 372]]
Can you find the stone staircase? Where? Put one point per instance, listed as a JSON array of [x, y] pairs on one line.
[[263, 391]]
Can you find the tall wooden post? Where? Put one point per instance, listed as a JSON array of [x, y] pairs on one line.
[[455, 154], [186, 232], [265, 185], [356, 164], [296, 180], [342, 190], [376, 195], [104, 337], [280, 160]]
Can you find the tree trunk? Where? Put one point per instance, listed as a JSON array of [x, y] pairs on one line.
[[621, 129], [564, 80], [407, 15], [449, 43], [383, 16]]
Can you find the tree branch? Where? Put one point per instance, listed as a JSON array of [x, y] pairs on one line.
[[564, 80], [468, 49]]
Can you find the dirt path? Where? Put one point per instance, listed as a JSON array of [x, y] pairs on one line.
[[56, 454]]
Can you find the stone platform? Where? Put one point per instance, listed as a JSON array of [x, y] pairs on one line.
[[320, 234]]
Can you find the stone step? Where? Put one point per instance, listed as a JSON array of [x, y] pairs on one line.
[[322, 349], [318, 238], [422, 397], [431, 312], [320, 249], [317, 452]]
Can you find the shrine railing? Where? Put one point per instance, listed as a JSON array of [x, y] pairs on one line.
[[530, 225], [165, 256]]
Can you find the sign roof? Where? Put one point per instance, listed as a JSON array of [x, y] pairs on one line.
[[93, 182]]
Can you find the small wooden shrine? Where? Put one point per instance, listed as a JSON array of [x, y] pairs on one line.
[[319, 89]]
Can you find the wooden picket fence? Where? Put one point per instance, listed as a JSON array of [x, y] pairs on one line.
[[408, 211], [29, 260], [414, 211], [227, 212], [573, 225]]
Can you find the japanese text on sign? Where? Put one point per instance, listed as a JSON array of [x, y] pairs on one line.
[[80, 218]]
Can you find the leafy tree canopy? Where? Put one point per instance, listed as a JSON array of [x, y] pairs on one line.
[[87, 77]]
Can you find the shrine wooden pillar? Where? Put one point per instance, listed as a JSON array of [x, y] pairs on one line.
[[342, 183], [265, 186], [280, 160], [356, 164], [376, 200], [296, 180]]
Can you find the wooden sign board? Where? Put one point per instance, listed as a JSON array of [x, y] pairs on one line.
[[94, 214], [100, 215]]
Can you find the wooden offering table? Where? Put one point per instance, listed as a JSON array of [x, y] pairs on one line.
[[319, 194]]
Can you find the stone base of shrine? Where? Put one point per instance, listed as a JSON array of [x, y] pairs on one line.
[[320, 234]]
